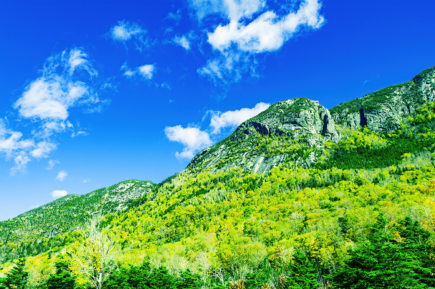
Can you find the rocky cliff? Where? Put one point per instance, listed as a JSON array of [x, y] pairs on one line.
[[257, 144], [302, 126], [383, 110]]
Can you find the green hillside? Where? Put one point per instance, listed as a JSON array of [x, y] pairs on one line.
[[43, 228], [299, 196]]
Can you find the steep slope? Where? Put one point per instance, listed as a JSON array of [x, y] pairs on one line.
[[385, 109], [36, 230], [294, 130]]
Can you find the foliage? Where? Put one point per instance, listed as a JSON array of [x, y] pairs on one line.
[[144, 277], [62, 278], [397, 257], [48, 227], [315, 213], [17, 278]]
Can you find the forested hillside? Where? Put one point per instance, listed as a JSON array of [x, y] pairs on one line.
[[297, 197]]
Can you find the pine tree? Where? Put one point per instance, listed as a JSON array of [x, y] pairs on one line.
[[17, 278], [62, 278], [302, 272], [381, 261]]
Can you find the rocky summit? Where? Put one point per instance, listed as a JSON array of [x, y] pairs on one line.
[[385, 109], [309, 124]]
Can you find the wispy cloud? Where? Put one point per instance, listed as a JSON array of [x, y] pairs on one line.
[[183, 41], [59, 88], [145, 71], [52, 164], [249, 28], [125, 31], [42, 149], [61, 176], [66, 81]]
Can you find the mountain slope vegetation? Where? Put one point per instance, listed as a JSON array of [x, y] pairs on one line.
[[297, 197]]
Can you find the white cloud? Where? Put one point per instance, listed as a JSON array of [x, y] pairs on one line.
[[42, 149], [267, 32], [192, 138], [50, 97], [182, 41], [56, 194], [66, 81], [146, 71], [78, 59], [12, 141], [231, 9], [248, 28], [52, 164], [21, 160], [234, 118], [124, 31], [195, 139], [61, 176]]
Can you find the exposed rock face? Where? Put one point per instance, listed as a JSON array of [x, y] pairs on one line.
[[301, 118], [383, 110], [305, 121], [293, 117]]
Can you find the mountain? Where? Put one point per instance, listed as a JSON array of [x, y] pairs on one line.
[[385, 109], [293, 190], [256, 145], [35, 231]]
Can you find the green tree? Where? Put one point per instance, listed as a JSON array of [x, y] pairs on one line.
[[302, 272], [62, 278], [383, 261], [17, 278]]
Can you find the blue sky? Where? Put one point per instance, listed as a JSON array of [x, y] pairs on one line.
[[97, 92]]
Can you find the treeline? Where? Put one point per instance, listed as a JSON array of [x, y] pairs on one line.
[[393, 255]]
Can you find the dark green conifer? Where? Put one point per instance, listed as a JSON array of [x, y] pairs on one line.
[[62, 278], [17, 278]]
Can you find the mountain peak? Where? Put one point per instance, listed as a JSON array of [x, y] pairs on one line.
[[383, 110], [293, 117], [298, 120]]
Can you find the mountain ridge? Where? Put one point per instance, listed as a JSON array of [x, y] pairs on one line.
[[290, 177], [316, 124]]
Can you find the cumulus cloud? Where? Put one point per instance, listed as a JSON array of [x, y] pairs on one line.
[[61, 176], [66, 81], [233, 118], [248, 28], [268, 32], [145, 71], [56, 194], [192, 138], [49, 97]]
